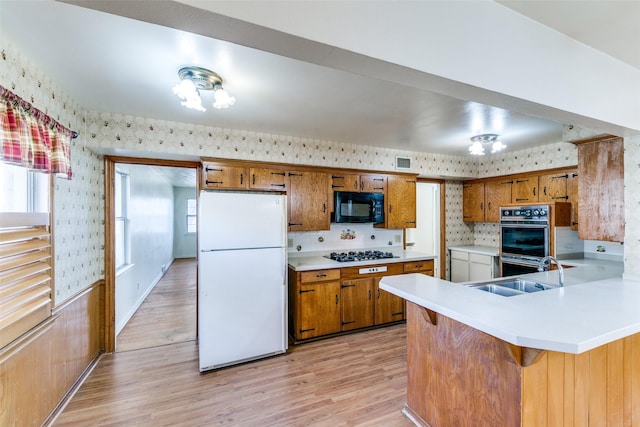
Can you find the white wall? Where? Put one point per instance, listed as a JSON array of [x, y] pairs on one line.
[[151, 224], [184, 245]]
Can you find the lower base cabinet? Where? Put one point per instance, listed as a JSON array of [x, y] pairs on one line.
[[468, 266], [331, 301]]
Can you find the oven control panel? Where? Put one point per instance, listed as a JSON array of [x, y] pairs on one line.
[[539, 213]]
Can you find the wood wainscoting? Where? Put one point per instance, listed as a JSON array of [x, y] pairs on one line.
[[39, 369]]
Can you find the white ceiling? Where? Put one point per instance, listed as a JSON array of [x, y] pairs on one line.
[[115, 64]]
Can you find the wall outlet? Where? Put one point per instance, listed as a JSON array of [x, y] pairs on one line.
[[398, 238], [290, 243]]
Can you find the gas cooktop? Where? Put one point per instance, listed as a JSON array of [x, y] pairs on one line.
[[359, 256]]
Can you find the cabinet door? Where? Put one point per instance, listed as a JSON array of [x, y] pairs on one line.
[[373, 183], [601, 195], [473, 202], [357, 303], [319, 309], [268, 179], [388, 307], [480, 267], [525, 190], [572, 193], [218, 175], [459, 266], [401, 202], [553, 187], [345, 182], [497, 193], [308, 201]]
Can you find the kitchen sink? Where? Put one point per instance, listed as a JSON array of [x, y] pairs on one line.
[[512, 287], [496, 289]]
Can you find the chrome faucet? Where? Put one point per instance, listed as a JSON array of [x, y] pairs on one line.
[[560, 270]]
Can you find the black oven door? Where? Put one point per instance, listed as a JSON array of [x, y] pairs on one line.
[[514, 266], [524, 240]]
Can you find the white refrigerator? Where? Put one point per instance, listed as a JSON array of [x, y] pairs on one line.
[[242, 285]]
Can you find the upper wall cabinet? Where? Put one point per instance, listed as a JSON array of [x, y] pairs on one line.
[[308, 201], [401, 202], [496, 193], [525, 190], [359, 183], [473, 202], [222, 176], [345, 182], [373, 183], [481, 199], [601, 189]]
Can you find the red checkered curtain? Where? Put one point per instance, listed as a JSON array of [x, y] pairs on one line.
[[31, 138]]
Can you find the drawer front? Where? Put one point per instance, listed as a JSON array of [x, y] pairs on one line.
[[464, 256], [361, 271], [320, 275], [415, 266], [480, 259]]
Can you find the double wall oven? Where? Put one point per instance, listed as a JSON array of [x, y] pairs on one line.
[[524, 238]]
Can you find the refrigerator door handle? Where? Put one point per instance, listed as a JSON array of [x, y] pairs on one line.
[[239, 249]]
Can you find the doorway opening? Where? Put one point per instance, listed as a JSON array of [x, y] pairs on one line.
[[151, 265], [427, 236]]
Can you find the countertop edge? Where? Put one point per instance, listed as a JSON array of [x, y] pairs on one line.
[[443, 292]]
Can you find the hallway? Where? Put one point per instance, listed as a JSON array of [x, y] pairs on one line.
[[168, 314]]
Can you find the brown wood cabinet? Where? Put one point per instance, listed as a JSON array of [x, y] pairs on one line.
[[388, 307], [222, 176], [497, 193], [473, 202], [314, 301], [357, 303], [525, 190], [326, 302], [310, 189], [373, 183], [308, 201], [481, 199], [572, 193], [345, 182], [553, 187], [268, 179], [401, 202], [601, 195], [307, 191]]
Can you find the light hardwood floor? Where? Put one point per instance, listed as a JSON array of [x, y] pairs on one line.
[[352, 380], [168, 314]]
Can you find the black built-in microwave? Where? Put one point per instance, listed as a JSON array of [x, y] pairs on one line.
[[358, 207]]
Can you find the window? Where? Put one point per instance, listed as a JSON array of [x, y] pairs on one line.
[[23, 190], [192, 223], [25, 250], [121, 220]]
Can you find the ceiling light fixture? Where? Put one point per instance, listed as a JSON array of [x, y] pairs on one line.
[[195, 79], [478, 141]]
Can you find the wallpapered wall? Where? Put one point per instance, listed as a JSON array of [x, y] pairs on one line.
[[78, 204]]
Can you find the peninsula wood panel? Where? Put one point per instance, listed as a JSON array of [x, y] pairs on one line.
[[39, 368], [467, 377]]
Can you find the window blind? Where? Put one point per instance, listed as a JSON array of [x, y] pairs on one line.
[[25, 273]]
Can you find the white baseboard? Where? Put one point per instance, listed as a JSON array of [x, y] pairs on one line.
[[123, 322]]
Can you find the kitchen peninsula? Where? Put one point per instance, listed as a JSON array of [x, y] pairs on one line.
[[565, 356]]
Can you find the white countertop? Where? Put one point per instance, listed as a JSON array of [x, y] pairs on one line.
[[596, 306], [317, 261], [481, 250]]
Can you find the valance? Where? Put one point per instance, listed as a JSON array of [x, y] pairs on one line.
[[32, 139]]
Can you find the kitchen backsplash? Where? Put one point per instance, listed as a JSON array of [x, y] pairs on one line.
[[344, 237]]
